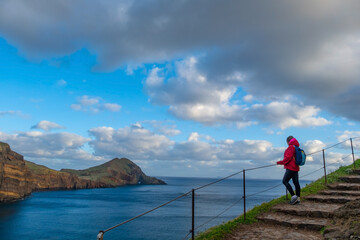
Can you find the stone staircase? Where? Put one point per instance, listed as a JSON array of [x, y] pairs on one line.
[[304, 220], [317, 210]]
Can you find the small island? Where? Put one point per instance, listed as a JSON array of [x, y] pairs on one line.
[[19, 178]]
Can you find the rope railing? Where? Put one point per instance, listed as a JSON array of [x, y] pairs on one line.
[[101, 233], [217, 181], [192, 192], [221, 213], [268, 189]]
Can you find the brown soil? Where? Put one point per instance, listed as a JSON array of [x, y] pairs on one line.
[[346, 222], [269, 231]]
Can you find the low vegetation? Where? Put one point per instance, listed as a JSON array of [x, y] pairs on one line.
[[219, 232]]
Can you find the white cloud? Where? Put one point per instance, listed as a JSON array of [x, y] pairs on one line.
[[309, 49], [12, 113], [163, 127], [153, 78], [331, 156], [133, 142], [248, 98], [88, 101], [47, 125], [210, 102], [50, 146], [286, 114], [193, 137], [113, 107], [245, 124], [346, 135], [94, 105], [139, 143], [61, 83]]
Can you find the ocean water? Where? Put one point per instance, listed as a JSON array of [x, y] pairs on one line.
[[80, 214]]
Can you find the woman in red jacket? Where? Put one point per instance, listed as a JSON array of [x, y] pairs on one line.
[[292, 170]]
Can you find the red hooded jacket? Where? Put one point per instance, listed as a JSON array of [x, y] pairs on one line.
[[289, 157]]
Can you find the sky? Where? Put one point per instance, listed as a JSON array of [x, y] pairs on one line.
[[182, 88]]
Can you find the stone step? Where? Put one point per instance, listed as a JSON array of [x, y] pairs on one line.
[[340, 192], [261, 230], [308, 209], [344, 186], [351, 179], [331, 198], [288, 220], [356, 171]]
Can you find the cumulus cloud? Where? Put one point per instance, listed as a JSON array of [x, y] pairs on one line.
[[47, 125], [210, 102], [332, 155], [163, 127], [346, 135], [306, 48], [39, 145], [94, 105], [113, 107], [139, 143], [287, 114], [134, 142]]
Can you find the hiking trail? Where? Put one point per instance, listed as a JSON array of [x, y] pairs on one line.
[[305, 220]]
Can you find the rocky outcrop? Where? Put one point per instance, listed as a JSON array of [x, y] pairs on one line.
[[18, 178], [117, 172], [15, 177]]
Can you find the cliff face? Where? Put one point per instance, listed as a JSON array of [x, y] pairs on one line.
[[116, 172], [18, 178], [15, 177]]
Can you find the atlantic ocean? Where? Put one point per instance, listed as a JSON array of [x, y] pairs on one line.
[[80, 214]]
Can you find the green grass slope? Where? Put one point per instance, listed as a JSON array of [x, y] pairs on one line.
[[40, 169], [116, 172]]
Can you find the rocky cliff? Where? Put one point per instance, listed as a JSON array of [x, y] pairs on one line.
[[18, 178], [15, 177]]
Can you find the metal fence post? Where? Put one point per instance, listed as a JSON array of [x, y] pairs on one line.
[[244, 195], [193, 216], [352, 151], [323, 151]]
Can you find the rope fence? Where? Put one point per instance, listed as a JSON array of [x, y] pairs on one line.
[[243, 198]]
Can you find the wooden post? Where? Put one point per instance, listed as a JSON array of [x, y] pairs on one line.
[[324, 165], [352, 151], [244, 195], [193, 216]]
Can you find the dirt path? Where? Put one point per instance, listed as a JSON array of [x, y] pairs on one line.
[[337, 207]]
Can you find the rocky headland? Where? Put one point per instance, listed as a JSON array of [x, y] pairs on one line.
[[18, 177]]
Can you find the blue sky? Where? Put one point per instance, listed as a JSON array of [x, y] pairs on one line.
[[179, 91]]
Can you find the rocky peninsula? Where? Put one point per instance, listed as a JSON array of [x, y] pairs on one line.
[[19, 178]]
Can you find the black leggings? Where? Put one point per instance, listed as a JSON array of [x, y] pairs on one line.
[[295, 177]]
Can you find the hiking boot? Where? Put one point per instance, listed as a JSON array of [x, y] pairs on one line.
[[294, 200]]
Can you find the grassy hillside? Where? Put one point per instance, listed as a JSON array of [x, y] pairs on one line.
[[40, 169], [95, 173], [218, 232], [115, 172]]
